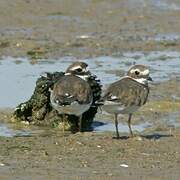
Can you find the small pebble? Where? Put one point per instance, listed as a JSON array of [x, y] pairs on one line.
[[18, 44], [124, 165], [78, 142], [2, 164], [83, 36]]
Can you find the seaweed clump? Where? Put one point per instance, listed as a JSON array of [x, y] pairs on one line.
[[38, 110]]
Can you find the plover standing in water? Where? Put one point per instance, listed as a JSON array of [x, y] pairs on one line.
[[72, 94], [128, 94]]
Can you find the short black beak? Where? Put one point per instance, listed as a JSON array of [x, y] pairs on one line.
[[149, 79]]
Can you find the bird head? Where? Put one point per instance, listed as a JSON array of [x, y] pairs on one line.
[[78, 69], [140, 73]]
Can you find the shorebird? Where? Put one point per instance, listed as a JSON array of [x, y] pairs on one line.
[[128, 94], [71, 94]]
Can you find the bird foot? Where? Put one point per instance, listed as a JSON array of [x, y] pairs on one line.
[[115, 137]]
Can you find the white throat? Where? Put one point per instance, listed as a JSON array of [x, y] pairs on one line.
[[142, 81], [66, 74], [84, 77]]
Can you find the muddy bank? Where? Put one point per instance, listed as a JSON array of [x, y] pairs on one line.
[[88, 28], [90, 156]]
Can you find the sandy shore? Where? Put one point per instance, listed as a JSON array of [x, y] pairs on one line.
[[90, 156]]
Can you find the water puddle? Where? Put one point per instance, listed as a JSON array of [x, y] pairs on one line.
[[18, 76], [173, 119], [21, 130], [63, 17], [6, 131], [166, 5], [123, 128], [170, 37], [67, 18]]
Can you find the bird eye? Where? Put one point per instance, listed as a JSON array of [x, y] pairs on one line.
[[137, 72], [79, 70]]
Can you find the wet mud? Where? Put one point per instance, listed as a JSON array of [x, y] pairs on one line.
[[88, 28], [39, 36]]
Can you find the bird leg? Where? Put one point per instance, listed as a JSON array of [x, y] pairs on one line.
[[129, 125], [116, 125], [63, 121], [80, 123]]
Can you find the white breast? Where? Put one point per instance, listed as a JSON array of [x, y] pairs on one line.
[[116, 108]]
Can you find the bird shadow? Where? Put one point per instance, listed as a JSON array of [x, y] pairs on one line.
[[154, 136], [121, 137]]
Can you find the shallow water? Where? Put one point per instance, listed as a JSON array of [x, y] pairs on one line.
[[163, 5], [101, 127], [7, 131], [18, 75], [166, 5], [169, 37]]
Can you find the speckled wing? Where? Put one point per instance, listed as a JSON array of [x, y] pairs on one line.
[[126, 92], [70, 89]]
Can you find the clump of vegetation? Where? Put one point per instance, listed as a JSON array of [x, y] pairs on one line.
[[37, 53]]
